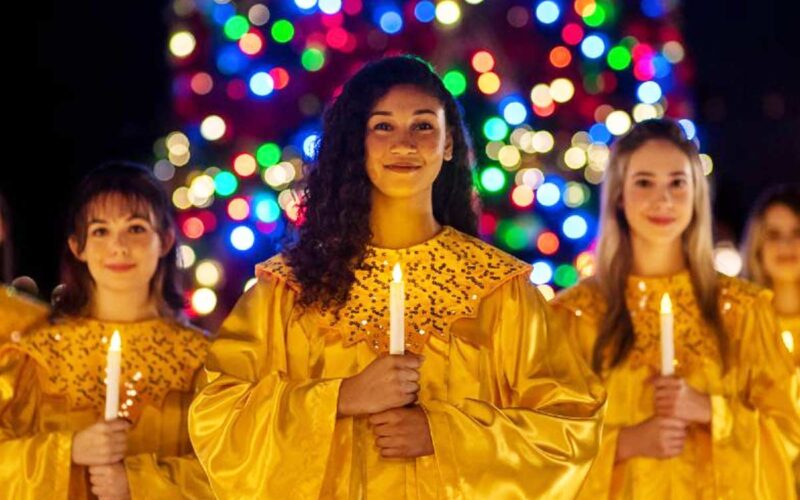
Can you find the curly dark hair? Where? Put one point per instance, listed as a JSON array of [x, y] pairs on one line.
[[331, 241], [141, 190]]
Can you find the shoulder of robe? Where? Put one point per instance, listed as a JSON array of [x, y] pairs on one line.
[[189, 342], [737, 292], [278, 269], [473, 252], [583, 299], [19, 313]]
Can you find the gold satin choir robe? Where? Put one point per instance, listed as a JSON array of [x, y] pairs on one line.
[[790, 335], [755, 404], [52, 385], [18, 312], [513, 412]]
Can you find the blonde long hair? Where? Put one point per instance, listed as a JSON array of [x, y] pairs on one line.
[[753, 241], [615, 254]]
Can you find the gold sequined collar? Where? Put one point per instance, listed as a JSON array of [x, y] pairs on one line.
[[694, 342], [158, 356], [445, 279]]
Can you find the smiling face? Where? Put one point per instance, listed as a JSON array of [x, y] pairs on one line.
[[780, 252], [122, 245], [658, 192], [406, 142]]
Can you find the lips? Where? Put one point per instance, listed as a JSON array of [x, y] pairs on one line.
[[660, 220], [120, 268], [402, 167]]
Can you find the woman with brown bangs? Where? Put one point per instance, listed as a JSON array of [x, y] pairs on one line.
[[711, 429], [120, 275], [771, 252]]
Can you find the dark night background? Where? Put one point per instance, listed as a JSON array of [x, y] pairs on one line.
[[99, 89]]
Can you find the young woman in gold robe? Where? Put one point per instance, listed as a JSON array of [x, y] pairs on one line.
[[771, 255], [713, 429], [304, 400], [120, 275]]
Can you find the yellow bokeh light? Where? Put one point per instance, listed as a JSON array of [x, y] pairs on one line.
[[208, 273], [509, 156], [212, 128], [489, 83], [575, 158], [182, 44], [448, 12], [204, 301], [562, 90], [541, 96], [618, 122], [543, 141]]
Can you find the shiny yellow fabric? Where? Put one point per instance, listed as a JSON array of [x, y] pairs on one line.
[[51, 385], [790, 335], [513, 412], [18, 312], [741, 454]]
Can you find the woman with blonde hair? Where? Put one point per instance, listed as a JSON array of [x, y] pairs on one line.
[[709, 430], [771, 251]]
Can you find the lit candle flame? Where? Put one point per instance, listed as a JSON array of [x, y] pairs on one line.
[[666, 304], [116, 342], [397, 273]]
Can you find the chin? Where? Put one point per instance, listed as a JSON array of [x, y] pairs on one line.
[[396, 191]]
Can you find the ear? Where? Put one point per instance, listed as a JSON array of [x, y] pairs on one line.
[[448, 147], [167, 242], [72, 242]]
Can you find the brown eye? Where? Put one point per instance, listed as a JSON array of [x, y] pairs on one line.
[[137, 229], [98, 231], [643, 183], [423, 126], [382, 126]]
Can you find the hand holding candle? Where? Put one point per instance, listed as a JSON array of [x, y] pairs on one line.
[[113, 360], [667, 337], [397, 312]]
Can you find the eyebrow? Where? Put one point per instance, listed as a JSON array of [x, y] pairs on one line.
[[651, 174], [417, 112], [130, 218]]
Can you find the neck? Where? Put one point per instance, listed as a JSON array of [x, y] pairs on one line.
[[402, 222], [123, 306], [787, 297], [657, 259]]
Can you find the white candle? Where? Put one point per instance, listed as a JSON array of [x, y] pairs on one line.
[[397, 312], [667, 337], [113, 359]]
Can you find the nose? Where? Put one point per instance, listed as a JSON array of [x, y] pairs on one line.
[[119, 244], [405, 144], [663, 196]]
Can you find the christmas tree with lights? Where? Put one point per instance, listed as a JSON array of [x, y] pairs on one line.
[[545, 87]]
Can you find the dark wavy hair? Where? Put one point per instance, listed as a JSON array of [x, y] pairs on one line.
[[141, 191], [331, 242]]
